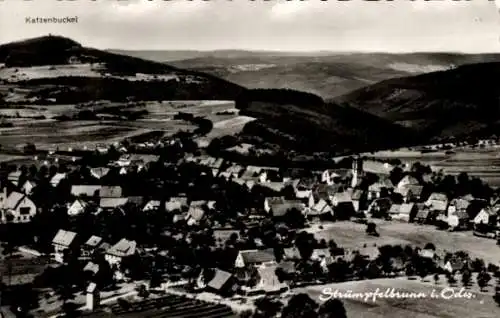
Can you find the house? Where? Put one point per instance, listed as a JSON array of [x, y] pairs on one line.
[[410, 192], [176, 203], [234, 171], [79, 206], [303, 188], [320, 253], [194, 215], [28, 187], [254, 173], [57, 178], [91, 245], [454, 265], [267, 281], [85, 190], [112, 203], [291, 253], [422, 216], [329, 176], [110, 192], [281, 209], [323, 192], [407, 180], [358, 198], [458, 221], [93, 299], [17, 208], [13, 177], [403, 212], [254, 258], [343, 207], [488, 216], [115, 254], [380, 207], [221, 282], [99, 173], [379, 189], [153, 205], [64, 240], [319, 209], [437, 203], [91, 267], [427, 253], [269, 201]]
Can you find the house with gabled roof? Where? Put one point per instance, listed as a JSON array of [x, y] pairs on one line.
[[403, 212], [319, 209], [64, 240], [218, 282], [123, 248], [324, 192], [194, 215], [330, 176], [407, 180], [254, 258], [437, 204], [282, 208], [99, 172], [13, 177], [343, 207], [303, 187], [85, 190], [80, 206], [17, 207], [28, 187], [423, 215], [382, 187], [176, 203], [57, 178], [93, 244], [410, 192], [112, 203], [110, 192]]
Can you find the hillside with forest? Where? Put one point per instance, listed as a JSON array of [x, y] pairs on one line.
[[458, 103]]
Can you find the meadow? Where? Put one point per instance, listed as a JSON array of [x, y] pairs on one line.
[[352, 236], [478, 305], [479, 162]]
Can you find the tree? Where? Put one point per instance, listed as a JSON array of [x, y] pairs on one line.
[[371, 229], [451, 280], [466, 277], [483, 279], [305, 244], [300, 305], [496, 297], [436, 278], [332, 308], [267, 308]]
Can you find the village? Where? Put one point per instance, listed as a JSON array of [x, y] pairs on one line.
[[139, 227]]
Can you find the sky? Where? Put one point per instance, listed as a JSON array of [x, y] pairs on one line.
[[310, 25]]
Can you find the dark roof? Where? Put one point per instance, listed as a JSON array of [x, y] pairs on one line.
[[280, 209], [258, 256]]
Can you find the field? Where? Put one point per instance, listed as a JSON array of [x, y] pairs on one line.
[[49, 133], [168, 306], [352, 236], [479, 162], [480, 304]]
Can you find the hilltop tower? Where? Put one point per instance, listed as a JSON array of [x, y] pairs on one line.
[[357, 171]]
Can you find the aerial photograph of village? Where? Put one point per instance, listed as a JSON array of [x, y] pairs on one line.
[[249, 159]]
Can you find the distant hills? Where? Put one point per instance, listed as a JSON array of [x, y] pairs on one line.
[[327, 74], [403, 110], [458, 103]]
